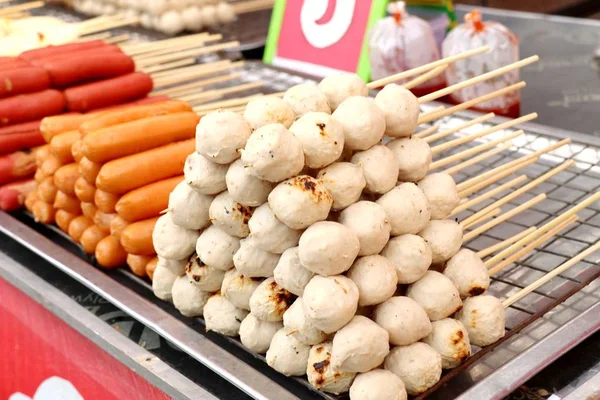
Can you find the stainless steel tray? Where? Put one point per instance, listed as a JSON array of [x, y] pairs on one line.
[[541, 327]]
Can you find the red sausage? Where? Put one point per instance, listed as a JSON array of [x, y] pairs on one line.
[[18, 165], [29, 107], [12, 196], [7, 63], [20, 141], [106, 49], [68, 71], [65, 48], [108, 92], [20, 128], [23, 80]]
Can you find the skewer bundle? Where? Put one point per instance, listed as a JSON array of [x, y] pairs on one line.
[[274, 236]]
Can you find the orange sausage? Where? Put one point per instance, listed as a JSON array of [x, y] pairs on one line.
[[76, 151], [117, 225], [43, 212], [103, 220], [84, 191], [47, 190], [88, 209], [137, 237], [132, 113], [68, 203], [90, 238], [64, 219], [105, 201], [52, 126], [65, 178], [78, 225], [147, 201], [51, 165], [131, 172], [137, 264], [89, 170], [61, 145], [30, 200], [134, 137], [41, 154], [150, 267], [110, 253]]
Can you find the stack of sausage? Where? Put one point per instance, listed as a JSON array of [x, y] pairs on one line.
[[110, 177], [74, 78]]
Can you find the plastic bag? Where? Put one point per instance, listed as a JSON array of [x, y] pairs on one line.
[[504, 49]]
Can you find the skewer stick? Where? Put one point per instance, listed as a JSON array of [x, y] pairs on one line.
[[177, 47], [21, 7], [198, 85], [102, 19], [457, 128], [521, 190], [489, 194], [485, 132], [555, 222], [200, 72], [507, 215], [458, 167], [97, 36], [188, 53], [425, 77], [227, 103], [117, 39], [425, 68], [428, 117], [222, 92], [505, 243], [494, 213], [193, 68], [474, 150], [546, 278], [493, 172], [145, 47], [480, 78], [503, 173], [428, 131], [170, 65], [252, 5], [238, 109], [532, 245], [111, 25]]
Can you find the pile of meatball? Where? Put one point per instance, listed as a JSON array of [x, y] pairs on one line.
[[167, 16], [297, 229]]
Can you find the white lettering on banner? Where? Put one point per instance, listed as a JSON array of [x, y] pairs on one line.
[[328, 33], [52, 388]]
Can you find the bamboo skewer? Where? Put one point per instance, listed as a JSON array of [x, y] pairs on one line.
[[226, 103], [188, 53], [425, 77], [458, 167], [193, 68], [141, 48], [117, 39], [198, 85], [427, 131], [503, 173], [221, 92], [169, 65], [177, 48], [487, 195], [494, 213], [505, 243], [97, 36], [252, 5], [457, 128], [170, 80], [21, 7], [555, 272], [110, 25]]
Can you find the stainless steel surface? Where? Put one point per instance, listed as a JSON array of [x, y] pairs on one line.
[[590, 389], [129, 353]]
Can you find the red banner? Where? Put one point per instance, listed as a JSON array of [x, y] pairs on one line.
[[43, 358]]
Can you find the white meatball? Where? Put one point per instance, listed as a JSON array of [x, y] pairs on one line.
[[344, 181], [436, 294], [269, 233], [444, 238], [407, 209], [267, 110], [230, 216], [401, 110], [378, 384], [380, 168], [468, 273], [330, 302], [222, 317], [238, 288], [404, 319], [410, 255], [322, 375], [188, 298], [216, 248], [328, 248], [244, 187], [225, 13], [171, 23], [253, 262], [192, 19], [205, 277], [418, 365], [484, 318], [362, 121], [290, 274], [209, 16], [305, 98], [162, 283], [322, 138], [220, 135], [188, 208], [359, 346], [176, 266], [204, 176], [442, 194], [375, 278], [369, 221], [256, 335], [269, 301], [300, 202], [287, 355], [413, 156], [296, 323], [273, 154], [338, 88], [449, 338], [157, 6], [172, 241]]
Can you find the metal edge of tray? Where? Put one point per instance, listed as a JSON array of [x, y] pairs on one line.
[[219, 360], [144, 363], [590, 389]]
